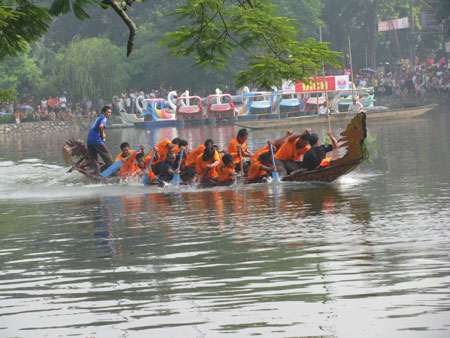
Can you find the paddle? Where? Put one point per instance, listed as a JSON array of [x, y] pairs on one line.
[[116, 165], [240, 159], [176, 176], [145, 177], [204, 176], [275, 175]]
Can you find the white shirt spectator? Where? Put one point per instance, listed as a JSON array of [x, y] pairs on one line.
[[354, 107], [63, 102], [323, 110]]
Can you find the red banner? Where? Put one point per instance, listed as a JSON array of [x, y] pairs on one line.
[[332, 83]]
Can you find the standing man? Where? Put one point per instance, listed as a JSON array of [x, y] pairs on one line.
[[96, 141], [63, 103], [323, 109], [354, 107]]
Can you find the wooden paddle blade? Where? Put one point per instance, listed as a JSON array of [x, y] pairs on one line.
[[112, 169]]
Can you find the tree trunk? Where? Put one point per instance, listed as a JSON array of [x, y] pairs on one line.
[[373, 33]]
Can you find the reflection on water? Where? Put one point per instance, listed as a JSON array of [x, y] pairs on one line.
[[365, 256]]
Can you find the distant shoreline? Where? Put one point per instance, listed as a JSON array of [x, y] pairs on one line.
[[44, 127]]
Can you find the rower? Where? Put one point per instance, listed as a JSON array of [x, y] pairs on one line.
[[163, 147], [189, 172], [141, 168], [169, 167], [261, 169], [225, 170], [275, 144], [239, 144], [128, 167], [288, 157], [316, 156], [205, 165]]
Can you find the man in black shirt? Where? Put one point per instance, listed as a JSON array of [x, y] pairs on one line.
[[314, 156], [169, 167]]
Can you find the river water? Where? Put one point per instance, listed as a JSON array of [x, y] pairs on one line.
[[366, 256]]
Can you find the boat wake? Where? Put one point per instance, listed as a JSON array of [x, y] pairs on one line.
[[33, 180], [354, 179]]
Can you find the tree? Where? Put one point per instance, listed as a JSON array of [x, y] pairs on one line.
[[78, 6], [274, 45], [91, 68], [20, 22], [150, 66], [19, 74], [306, 12], [275, 48]]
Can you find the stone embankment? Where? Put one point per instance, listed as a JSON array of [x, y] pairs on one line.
[[44, 127]]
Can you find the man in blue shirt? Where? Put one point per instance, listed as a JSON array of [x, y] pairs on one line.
[[96, 141]]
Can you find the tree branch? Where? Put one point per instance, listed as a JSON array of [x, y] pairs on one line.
[[121, 11]]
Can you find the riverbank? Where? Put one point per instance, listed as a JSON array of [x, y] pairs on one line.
[[409, 101], [44, 127]]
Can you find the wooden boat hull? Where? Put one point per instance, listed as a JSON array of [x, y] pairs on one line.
[[327, 174], [307, 121]]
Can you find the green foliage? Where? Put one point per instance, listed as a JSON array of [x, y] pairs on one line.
[[150, 67], [21, 22], [91, 68], [275, 48], [307, 12], [370, 148], [7, 95], [78, 6], [327, 140], [19, 74], [7, 118]]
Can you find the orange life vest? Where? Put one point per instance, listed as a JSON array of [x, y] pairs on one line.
[[151, 175], [201, 166], [288, 151], [192, 157], [325, 162], [224, 173], [128, 167], [233, 150], [255, 170], [255, 156]]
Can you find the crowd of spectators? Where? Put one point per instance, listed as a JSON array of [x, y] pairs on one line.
[[426, 80], [50, 108], [63, 107]]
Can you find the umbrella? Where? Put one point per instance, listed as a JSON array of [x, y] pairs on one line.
[[367, 70], [25, 106]]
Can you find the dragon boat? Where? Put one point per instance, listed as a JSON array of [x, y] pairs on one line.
[[75, 154]]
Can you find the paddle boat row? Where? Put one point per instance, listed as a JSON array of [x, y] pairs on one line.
[[250, 109], [383, 114], [75, 154]]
